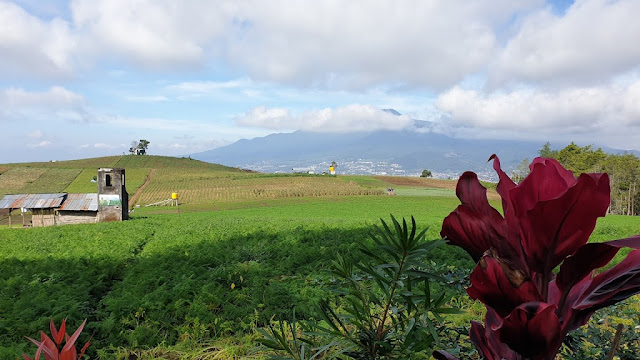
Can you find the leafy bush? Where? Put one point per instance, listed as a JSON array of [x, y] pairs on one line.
[[385, 307]]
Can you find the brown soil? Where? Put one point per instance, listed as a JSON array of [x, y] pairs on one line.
[[429, 183], [418, 181], [141, 188]]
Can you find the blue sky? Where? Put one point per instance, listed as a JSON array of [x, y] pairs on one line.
[[84, 78]]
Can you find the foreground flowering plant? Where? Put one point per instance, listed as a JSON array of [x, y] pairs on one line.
[[52, 347], [547, 221]]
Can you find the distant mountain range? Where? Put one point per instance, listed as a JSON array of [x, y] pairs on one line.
[[403, 152]]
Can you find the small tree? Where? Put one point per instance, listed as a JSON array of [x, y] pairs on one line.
[[426, 174], [143, 145], [139, 147]]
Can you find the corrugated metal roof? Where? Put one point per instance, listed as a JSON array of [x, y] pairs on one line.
[[80, 202], [32, 201], [8, 200]]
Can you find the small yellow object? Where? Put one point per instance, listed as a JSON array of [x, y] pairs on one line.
[[174, 196], [331, 168], [233, 286]]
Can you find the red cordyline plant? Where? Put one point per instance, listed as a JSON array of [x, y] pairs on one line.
[[547, 221], [51, 348]]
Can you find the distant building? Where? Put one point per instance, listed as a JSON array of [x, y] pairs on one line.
[[300, 170], [110, 203]]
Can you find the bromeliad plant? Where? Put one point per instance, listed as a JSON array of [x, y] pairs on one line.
[[547, 221], [52, 347]]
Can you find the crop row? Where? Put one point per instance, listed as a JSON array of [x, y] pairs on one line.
[[203, 186], [11, 181]]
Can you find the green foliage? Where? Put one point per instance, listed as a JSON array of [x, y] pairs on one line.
[[160, 285], [623, 170], [594, 340], [426, 173], [385, 307], [521, 171], [53, 180]]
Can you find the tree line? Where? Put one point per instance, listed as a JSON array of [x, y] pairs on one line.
[[623, 170]]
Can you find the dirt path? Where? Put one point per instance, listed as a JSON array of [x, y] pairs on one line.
[[141, 188]]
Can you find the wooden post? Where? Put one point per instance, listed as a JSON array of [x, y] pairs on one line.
[[10, 217], [22, 212], [616, 342]]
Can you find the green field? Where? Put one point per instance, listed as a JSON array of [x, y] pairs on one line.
[[198, 280]]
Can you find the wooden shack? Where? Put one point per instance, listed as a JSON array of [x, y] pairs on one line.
[[78, 209], [41, 206]]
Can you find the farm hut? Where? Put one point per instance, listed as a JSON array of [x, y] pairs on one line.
[[78, 209], [111, 203], [42, 206]]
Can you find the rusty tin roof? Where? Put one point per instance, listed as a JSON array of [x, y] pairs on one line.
[[80, 202], [32, 201]]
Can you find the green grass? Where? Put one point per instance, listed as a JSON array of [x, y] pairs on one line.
[[135, 177], [199, 276], [424, 192], [241, 248], [53, 180], [14, 179]]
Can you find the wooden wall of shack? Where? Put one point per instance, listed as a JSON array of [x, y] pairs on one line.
[[66, 217], [43, 217]]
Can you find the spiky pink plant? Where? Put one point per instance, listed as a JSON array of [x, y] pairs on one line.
[[52, 347]]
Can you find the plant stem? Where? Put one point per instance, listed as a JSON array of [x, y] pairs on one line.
[[388, 304]]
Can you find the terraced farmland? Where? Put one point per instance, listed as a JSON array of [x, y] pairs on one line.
[[14, 179], [209, 186]]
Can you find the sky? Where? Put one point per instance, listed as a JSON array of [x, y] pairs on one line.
[[85, 78]]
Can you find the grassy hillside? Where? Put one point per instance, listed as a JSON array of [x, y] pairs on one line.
[[199, 185], [75, 176]]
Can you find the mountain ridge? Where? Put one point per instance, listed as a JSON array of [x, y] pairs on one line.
[[380, 152]]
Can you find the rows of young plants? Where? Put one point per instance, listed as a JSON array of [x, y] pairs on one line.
[[211, 185], [52, 180], [188, 281], [83, 183], [14, 179]]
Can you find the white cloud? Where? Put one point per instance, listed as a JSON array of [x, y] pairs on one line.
[[593, 41], [41, 144], [273, 118], [36, 134], [330, 44], [104, 146], [349, 118], [57, 103], [149, 98], [590, 110], [151, 33], [208, 86], [358, 44], [30, 46]]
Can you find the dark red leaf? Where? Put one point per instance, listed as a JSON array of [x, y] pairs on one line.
[[590, 257], [475, 226], [613, 285], [497, 285], [532, 330], [554, 228], [487, 341], [505, 184]]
